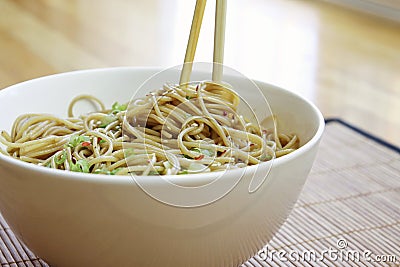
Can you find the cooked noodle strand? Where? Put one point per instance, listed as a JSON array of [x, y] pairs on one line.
[[175, 130]]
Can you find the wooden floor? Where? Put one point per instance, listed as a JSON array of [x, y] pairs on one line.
[[346, 62]]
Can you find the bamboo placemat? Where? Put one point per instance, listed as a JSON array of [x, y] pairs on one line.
[[350, 205]]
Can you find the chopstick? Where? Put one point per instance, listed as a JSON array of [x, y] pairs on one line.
[[192, 42], [219, 40]]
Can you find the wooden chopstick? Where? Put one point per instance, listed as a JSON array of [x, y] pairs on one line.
[[219, 40], [192, 42]]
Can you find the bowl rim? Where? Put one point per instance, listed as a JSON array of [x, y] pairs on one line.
[[126, 179]]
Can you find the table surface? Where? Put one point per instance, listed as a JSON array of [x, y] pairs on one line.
[[345, 61]]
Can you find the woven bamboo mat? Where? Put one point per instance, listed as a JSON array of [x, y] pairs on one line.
[[348, 213]]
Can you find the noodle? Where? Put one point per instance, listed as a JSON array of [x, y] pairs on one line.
[[175, 130]]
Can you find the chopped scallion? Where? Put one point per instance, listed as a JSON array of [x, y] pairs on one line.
[[77, 139], [62, 158], [80, 166], [116, 107]]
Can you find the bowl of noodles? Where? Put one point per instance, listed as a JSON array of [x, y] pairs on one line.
[[95, 172]]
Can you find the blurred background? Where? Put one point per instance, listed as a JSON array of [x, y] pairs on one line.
[[344, 55]]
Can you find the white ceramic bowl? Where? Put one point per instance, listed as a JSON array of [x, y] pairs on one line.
[[72, 219]]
